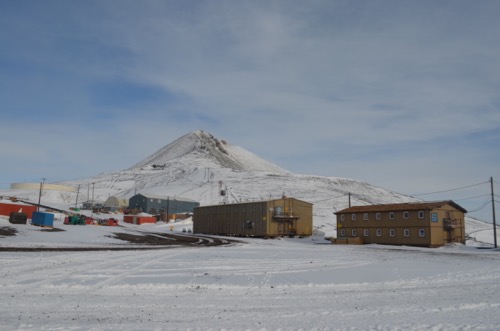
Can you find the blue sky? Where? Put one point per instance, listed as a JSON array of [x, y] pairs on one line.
[[402, 94]]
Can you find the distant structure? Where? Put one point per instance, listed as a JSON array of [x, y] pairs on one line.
[[280, 217], [36, 186], [154, 204], [115, 204], [429, 224]]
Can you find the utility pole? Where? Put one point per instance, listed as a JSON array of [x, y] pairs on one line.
[[77, 193], [40, 194], [349, 199], [168, 208], [493, 209], [93, 186]]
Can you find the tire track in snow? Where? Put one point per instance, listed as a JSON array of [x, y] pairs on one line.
[[158, 257], [59, 268]]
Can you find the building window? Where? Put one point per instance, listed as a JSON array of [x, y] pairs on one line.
[[342, 233], [366, 232], [354, 233], [353, 217], [392, 233], [391, 215], [406, 215], [421, 233], [378, 216], [421, 214], [365, 216], [379, 232], [342, 217], [406, 232]]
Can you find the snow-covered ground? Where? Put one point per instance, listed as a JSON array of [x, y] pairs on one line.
[[282, 284]]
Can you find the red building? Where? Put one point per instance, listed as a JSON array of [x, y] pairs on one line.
[[7, 207], [139, 219]]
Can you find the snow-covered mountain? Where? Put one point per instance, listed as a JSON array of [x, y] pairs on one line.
[[197, 165], [200, 147]]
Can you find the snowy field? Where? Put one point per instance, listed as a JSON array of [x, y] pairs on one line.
[[281, 284]]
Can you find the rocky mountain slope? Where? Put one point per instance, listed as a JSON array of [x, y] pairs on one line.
[[203, 148]]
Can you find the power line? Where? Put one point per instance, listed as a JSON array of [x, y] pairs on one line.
[[486, 203], [479, 196], [340, 196], [454, 189]]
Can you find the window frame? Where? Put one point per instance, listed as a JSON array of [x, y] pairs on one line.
[[392, 215], [366, 233], [406, 233], [421, 214], [365, 217], [354, 233], [378, 216], [353, 217], [421, 233], [406, 215], [379, 232]]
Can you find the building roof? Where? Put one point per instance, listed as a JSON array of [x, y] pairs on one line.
[[152, 196], [401, 207], [255, 202]]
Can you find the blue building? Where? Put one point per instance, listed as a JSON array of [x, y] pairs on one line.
[[153, 204]]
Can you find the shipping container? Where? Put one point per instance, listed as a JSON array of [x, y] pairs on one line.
[[6, 208], [42, 219]]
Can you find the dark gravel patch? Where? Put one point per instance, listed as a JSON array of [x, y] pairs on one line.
[[145, 240], [7, 231], [52, 230]]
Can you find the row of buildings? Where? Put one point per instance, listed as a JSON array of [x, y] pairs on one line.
[[152, 204], [278, 217], [428, 224]]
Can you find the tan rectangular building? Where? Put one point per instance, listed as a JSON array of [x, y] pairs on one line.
[[430, 224], [280, 217]]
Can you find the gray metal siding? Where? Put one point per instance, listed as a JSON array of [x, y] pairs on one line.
[[249, 219], [173, 206]]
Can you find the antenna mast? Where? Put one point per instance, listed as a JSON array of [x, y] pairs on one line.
[[222, 192]]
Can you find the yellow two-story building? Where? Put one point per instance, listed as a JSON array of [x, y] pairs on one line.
[[430, 224], [279, 217]]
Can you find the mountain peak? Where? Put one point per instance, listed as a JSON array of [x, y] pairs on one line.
[[201, 147]]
